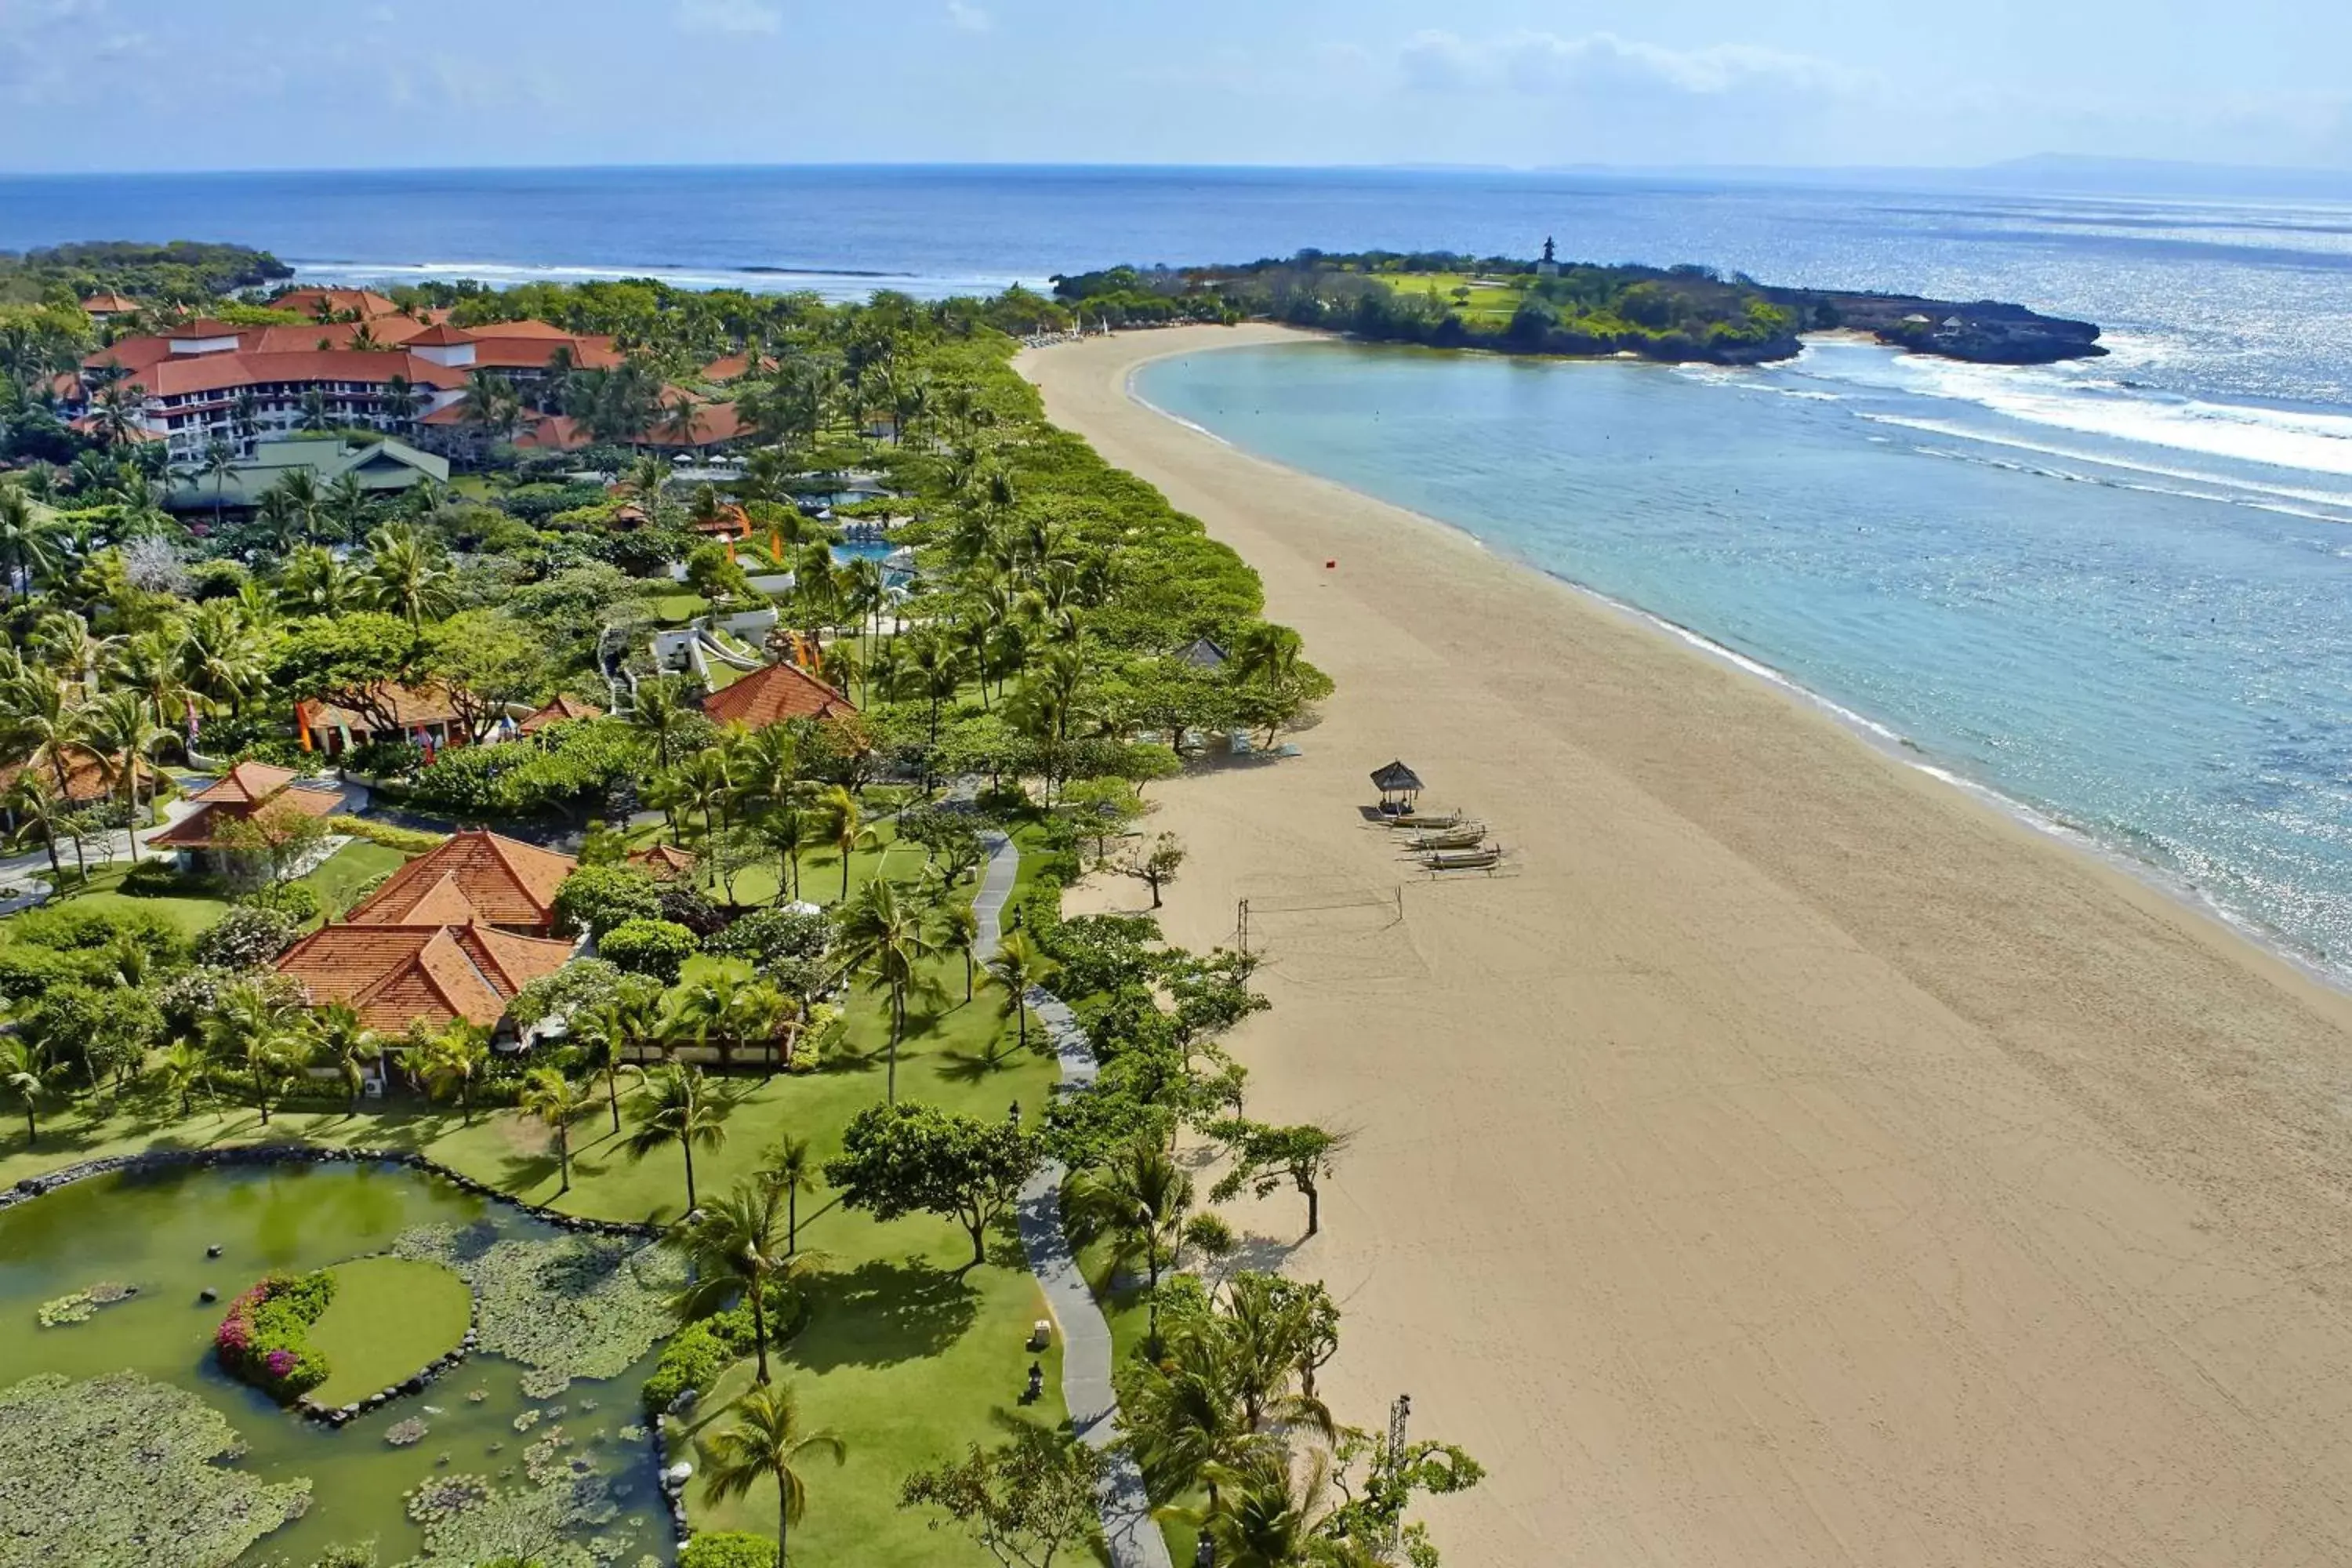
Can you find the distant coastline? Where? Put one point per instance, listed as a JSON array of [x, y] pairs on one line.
[[1678, 314]]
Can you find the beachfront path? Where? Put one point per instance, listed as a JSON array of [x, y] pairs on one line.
[[1135, 1541]]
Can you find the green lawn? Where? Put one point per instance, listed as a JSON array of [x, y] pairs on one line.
[[910, 1355], [389, 1317], [676, 609], [349, 872], [194, 916]]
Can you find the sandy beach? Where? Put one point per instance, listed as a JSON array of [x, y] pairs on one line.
[[1793, 1160]]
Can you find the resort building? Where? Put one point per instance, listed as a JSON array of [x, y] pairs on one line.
[[473, 878], [381, 468], [399, 977], [240, 812], [208, 382], [776, 694], [105, 307], [424, 716]]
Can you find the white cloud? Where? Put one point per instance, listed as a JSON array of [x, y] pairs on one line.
[[729, 17], [1545, 64], [968, 17]]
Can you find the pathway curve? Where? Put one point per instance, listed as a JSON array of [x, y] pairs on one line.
[[1135, 1539]]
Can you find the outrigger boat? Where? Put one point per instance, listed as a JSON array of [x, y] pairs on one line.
[[1484, 859], [1426, 819], [1469, 836]]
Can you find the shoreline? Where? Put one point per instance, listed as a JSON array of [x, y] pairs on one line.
[[1793, 1160], [1879, 737]]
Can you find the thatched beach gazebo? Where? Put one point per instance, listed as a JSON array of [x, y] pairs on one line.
[[1398, 786]]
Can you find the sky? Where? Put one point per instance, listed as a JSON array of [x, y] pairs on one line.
[[243, 84]]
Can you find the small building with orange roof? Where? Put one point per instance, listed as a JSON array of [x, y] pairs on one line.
[[776, 694], [664, 862], [562, 708], [423, 714], [472, 879], [106, 304], [398, 978], [245, 809]]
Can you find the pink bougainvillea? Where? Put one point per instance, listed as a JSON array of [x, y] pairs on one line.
[[264, 1338]]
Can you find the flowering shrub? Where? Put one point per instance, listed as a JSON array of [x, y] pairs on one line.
[[264, 1339]]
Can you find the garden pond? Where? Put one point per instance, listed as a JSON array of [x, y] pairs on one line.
[[518, 1458]]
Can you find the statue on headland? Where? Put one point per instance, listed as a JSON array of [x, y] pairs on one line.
[[1549, 266]]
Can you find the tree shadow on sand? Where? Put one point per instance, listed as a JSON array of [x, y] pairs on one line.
[[881, 1314]]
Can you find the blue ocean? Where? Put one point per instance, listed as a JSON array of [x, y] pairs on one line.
[[2114, 593]]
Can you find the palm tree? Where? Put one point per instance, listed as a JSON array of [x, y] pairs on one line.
[[315, 415], [660, 710], [184, 1068], [123, 729], [555, 1101], [613, 1032], [148, 662], [38, 719], [30, 801], [1138, 1197], [675, 1107], [314, 582], [25, 537], [401, 400], [25, 1072], [253, 1027], [791, 1169], [302, 503], [407, 577], [453, 1060], [882, 938], [960, 934], [740, 1245], [786, 832], [708, 786], [221, 655], [1266, 1511], [938, 667], [842, 824], [1019, 964], [350, 1045], [765, 1443]]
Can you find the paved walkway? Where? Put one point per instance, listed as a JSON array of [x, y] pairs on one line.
[[1135, 1539]]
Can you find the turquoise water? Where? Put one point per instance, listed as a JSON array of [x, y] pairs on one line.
[[2123, 620]]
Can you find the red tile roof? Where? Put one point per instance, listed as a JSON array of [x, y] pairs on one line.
[[525, 329], [394, 976], [223, 372], [475, 875], [409, 707], [441, 334], [246, 784], [563, 709], [774, 694], [203, 828], [663, 862], [88, 776], [533, 353], [202, 329], [366, 301], [133, 354], [713, 423], [109, 304], [730, 367], [389, 332], [554, 433]]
